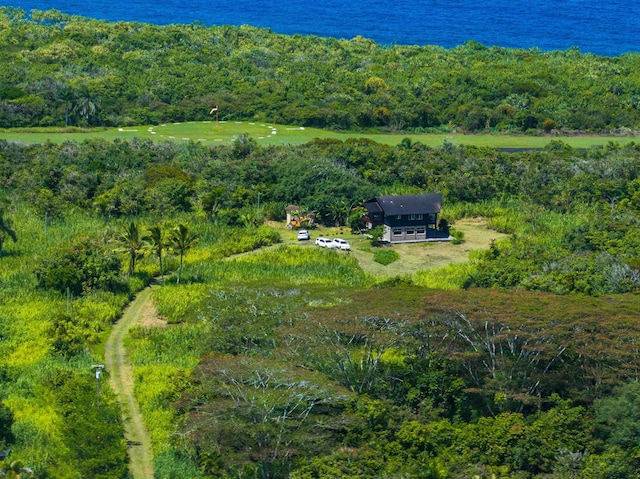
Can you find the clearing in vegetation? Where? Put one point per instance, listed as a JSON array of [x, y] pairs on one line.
[[414, 257], [271, 134]]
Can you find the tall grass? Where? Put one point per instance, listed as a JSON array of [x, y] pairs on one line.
[[450, 277], [294, 264], [28, 361]]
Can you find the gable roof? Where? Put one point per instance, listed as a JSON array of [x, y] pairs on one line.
[[405, 204]]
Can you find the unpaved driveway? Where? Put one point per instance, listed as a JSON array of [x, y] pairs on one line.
[[121, 380]]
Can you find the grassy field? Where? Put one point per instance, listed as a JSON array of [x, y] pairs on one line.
[[414, 257], [209, 133]]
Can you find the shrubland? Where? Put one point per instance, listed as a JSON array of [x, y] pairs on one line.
[[60, 70]]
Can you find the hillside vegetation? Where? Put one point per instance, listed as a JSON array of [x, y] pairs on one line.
[[66, 70], [511, 353], [296, 362]]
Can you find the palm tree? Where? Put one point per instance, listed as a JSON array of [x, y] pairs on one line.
[[132, 244], [157, 244], [182, 240], [338, 210], [6, 232], [67, 97], [86, 106]]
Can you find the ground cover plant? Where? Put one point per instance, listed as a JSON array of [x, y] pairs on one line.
[[385, 257], [516, 361]]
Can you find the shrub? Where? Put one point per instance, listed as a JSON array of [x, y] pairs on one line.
[[81, 267], [385, 257], [376, 235], [458, 236]]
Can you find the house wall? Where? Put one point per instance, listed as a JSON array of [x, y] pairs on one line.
[[408, 233], [406, 221], [387, 234], [404, 229]]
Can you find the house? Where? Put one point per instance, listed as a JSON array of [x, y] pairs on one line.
[[406, 218]]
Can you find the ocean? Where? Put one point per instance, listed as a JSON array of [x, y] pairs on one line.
[[606, 28]]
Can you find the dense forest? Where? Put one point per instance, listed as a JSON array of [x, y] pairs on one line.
[[62, 70], [264, 358]]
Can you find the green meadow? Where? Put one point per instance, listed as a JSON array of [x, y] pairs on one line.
[[224, 132]]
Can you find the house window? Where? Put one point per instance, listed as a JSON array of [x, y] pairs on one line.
[[419, 217], [377, 216], [411, 232], [412, 217], [397, 231], [420, 231], [398, 217]]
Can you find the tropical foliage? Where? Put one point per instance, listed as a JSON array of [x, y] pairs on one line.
[[292, 361], [61, 70]]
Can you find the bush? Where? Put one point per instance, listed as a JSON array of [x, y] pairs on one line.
[[84, 266], [376, 235], [458, 236], [385, 257]]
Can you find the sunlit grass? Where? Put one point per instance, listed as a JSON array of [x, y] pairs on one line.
[[274, 134]]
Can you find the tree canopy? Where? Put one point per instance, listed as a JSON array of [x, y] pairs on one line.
[[59, 69]]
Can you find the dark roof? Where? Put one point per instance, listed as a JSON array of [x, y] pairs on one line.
[[405, 204], [372, 206]]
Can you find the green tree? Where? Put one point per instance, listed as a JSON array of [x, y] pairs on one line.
[[92, 432], [86, 106], [618, 417], [212, 201], [83, 266], [338, 212], [67, 98], [157, 244], [182, 240], [132, 244], [376, 235]]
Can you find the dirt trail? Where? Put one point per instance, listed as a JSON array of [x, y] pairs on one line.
[[121, 380]]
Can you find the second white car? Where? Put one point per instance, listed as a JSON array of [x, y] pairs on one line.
[[339, 243]]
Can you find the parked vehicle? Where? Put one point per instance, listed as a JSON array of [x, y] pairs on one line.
[[303, 235], [339, 243], [324, 242]]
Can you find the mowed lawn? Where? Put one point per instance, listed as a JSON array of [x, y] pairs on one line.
[[224, 132], [413, 257]]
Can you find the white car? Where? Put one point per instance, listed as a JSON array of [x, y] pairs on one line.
[[339, 243], [324, 242], [303, 235]]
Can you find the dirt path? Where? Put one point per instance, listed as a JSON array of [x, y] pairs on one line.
[[121, 380]]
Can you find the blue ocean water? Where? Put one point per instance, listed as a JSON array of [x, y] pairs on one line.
[[605, 28]]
